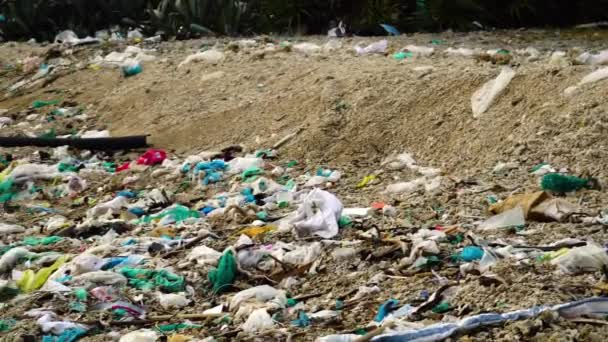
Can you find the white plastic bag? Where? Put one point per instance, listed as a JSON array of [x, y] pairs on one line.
[[10, 258], [100, 278], [483, 98], [307, 48], [591, 59], [112, 207], [240, 164], [172, 300], [143, 335], [510, 218], [318, 215], [6, 229], [204, 255], [589, 258], [377, 47], [258, 320], [405, 187], [261, 293], [595, 76], [399, 161], [209, 56], [303, 255], [31, 172], [85, 263], [420, 51]]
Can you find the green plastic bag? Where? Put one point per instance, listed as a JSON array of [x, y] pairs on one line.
[[40, 104], [557, 182], [179, 213], [251, 174], [149, 279], [45, 241], [177, 326], [7, 192], [224, 274]]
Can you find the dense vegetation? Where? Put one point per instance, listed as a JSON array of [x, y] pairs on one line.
[[43, 18]]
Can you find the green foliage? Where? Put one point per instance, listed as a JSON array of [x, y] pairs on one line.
[[42, 19]]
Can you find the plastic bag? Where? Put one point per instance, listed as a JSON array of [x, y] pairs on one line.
[[589, 258], [238, 165], [112, 206], [144, 335], [204, 255], [510, 218], [6, 229], [31, 281], [318, 215], [152, 157], [377, 47], [593, 59], [557, 182], [85, 263], [307, 48], [172, 300], [421, 51], [483, 98], [259, 320], [262, 293], [100, 278], [224, 274], [10, 258], [303, 255], [209, 56], [405, 187]]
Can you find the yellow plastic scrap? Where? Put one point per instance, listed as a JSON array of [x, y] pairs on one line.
[[7, 171], [365, 181], [255, 231], [179, 338], [31, 281]]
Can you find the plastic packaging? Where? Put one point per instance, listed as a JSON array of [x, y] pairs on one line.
[[204, 255], [209, 56], [318, 215], [557, 182], [173, 300], [85, 263], [152, 157], [483, 98], [380, 47], [303, 255], [593, 59], [144, 335], [10, 258], [405, 187], [258, 320], [510, 218], [7, 229], [471, 253], [262, 293], [306, 48], [100, 278], [131, 67], [31, 281], [223, 276], [420, 51], [440, 331], [589, 258]]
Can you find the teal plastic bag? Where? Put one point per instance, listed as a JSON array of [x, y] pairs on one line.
[[224, 274], [557, 182]]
